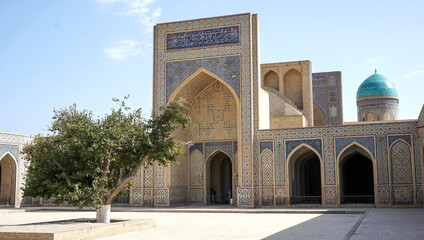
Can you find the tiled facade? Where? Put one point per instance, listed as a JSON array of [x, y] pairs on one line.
[[225, 51], [213, 64]]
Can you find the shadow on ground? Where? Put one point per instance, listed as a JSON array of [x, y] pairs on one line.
[[325, 226]]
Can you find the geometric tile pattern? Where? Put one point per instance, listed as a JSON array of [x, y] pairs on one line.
[[162, 56], [226, 68], [161, 196], [330, 195], [13, 149], [244, 196], [400, 156], [251, 154], [382, 159], [136, 196], [196, 195], [279, 166], [327, 96], [267, 196], [406, 138], [148, 172], [280, 196], [329, 135], [402, 195], [367, 142], [225, 147], [266, 145], [314, 143], [196, 168], [383, 194], [267, 161], [214, 114], [147, 197]]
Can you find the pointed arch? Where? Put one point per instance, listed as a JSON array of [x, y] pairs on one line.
[[305, 176], [357, 174], [198, 86], [218, 176], [355, 146], [319, 118], [9, 155], [306, 146], [8, 179], [293, 87], [214, 153], [272, 80]]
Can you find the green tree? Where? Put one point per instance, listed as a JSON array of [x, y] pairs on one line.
[[86, 161]]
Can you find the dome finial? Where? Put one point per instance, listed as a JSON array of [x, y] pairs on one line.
[[375, 71]]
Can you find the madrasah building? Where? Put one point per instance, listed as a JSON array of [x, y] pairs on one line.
[[271, 134]]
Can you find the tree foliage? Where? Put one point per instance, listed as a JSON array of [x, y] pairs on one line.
[[86, 161]]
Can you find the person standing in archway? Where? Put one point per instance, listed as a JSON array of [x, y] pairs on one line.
[[212, 196], [230, 199]]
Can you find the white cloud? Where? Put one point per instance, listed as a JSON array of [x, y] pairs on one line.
[[123, 49], [145, 13], [141, 11], [414, 74]]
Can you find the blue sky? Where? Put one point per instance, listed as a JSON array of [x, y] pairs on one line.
[[56, 53]]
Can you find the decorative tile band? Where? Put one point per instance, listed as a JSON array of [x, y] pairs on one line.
[[406, 138], [367, 142], [314, 143], [227, 68], [225, 147], [266, 145], [203, 38], [13, 149]]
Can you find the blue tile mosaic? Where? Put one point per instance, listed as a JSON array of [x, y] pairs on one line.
[[225, 147], [406, 138], [227, 68], [314, 143], [266, 145], [13, 149], [367, 142], [197, 146], [203, 38]]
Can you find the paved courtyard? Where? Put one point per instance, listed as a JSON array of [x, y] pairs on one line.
[[402, 224]]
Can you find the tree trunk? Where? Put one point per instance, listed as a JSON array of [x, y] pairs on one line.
[[103, 214]]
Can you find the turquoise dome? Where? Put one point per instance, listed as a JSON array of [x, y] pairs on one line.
[[376, 85]]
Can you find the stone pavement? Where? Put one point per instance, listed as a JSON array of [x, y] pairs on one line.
[[224, 222]]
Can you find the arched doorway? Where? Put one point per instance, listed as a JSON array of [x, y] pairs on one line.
[[219, 177], [305, 177], [356, 176], [7, 180], [214, 109]]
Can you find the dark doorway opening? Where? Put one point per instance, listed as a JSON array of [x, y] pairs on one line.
[[221, 177], [357, 179], [306, 178]]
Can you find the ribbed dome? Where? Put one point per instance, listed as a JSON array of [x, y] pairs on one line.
[[376, 85]]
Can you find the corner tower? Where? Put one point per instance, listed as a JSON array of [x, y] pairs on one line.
[[377, 99]]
